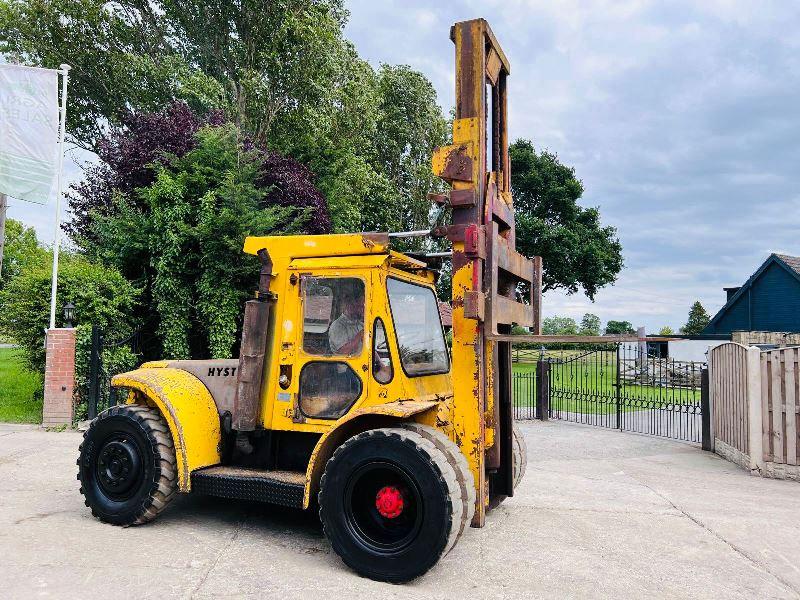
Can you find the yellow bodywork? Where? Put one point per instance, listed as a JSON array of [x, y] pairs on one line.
[[188, 408], [436, 400], [457, 405], [468, 391]]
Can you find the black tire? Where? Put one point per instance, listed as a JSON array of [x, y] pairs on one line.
[[459, 463], [127, 465], [397, 547], [519, 453]]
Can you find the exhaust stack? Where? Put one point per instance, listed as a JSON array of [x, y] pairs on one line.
[[247, 402]]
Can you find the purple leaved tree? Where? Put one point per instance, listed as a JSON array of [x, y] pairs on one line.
[[130, 152]]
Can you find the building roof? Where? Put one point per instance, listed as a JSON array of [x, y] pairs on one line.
[[791, 264], [446, 314]]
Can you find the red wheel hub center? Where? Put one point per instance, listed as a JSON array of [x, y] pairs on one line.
[[389, 502]]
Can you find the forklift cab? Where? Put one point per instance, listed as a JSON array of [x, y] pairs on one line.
[[350, 333]]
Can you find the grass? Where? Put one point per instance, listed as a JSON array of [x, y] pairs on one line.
[[589, 388], [20, 390]]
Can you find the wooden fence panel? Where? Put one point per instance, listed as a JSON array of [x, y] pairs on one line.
[[790, 403], [776, 394], [780, 401], [755, 401], [766, 384]]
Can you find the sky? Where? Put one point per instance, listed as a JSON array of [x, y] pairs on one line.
[[681, 118]]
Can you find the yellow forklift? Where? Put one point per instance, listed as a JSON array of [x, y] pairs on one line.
[[345, 397]]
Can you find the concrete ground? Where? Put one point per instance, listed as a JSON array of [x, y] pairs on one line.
[[600, 514]]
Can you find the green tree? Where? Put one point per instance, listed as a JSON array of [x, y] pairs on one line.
[[697, 321], [184, 236], [559, 326], [101, 295], [269, 65], [444, 284], [374, 166], [22, 251], [619, 328], [666, 330], [282, 71], [590, 325], [578, 251], [409, 125]]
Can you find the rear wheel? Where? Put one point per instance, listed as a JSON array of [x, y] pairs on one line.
[[390, 504], [519, 453], [127, 465]]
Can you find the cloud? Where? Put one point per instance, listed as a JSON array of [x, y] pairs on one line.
[[425, 19], [680, 118]]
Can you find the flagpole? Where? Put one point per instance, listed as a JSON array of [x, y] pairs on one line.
[[64, 70], [3, 211]]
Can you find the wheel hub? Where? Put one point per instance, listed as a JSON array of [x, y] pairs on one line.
[[389, 502], [118, 466]]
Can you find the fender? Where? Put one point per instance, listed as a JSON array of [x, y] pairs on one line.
[[188, 408], [370, 417]]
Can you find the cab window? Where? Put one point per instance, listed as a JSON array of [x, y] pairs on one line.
[[328, 389], [333, 315], [420, 339], [381, 358]]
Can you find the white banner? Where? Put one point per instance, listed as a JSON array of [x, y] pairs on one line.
[[29, 132]]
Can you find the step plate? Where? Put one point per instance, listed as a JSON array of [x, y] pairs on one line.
[[285, 488]]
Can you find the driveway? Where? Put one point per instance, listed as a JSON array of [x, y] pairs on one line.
[[600, 514]]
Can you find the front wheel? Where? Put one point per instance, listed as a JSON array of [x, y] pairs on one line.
[[127, 465], [391, 504]]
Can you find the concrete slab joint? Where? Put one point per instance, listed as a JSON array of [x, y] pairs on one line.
[[59, 377]]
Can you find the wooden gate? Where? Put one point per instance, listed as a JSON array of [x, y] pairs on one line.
[[728, 387]]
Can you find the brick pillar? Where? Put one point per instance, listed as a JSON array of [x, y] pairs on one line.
[[59, 377]]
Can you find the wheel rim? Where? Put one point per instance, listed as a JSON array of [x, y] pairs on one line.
[[383, 507], [118, 467]]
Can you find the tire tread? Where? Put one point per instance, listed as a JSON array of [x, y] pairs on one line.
[[164, 484], [459, 464], [440, 463]]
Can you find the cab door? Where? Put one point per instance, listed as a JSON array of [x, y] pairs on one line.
[[333, 346]]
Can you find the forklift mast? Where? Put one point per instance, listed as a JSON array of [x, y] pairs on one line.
[[487, 270]]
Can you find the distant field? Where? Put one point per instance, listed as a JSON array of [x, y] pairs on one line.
[[589, 388], [20, 390]]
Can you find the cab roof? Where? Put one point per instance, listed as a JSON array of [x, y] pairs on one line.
[[316, 251], [289, 247]]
